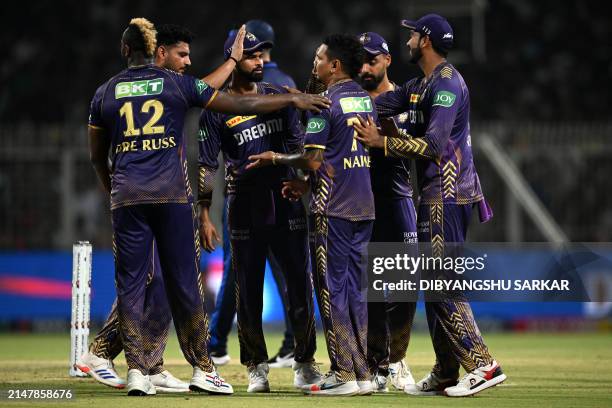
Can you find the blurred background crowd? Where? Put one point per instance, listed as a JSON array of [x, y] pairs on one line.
[[539, 75]]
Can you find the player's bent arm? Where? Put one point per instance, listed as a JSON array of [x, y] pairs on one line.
[[310, 160], [409, 148], [401, 147], [249, 104], [217, 78], [99, 144]]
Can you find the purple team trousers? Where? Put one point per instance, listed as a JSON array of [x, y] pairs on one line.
[[107, 344], [454, 333], [261, 221], [336, 247], [173, 226], [390, 323]]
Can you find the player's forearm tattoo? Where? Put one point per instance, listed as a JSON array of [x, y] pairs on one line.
[[411, 148], [314, 85], [300, 161], [206, 180]]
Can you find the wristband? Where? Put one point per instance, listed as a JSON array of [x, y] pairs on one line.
[[235, 60]]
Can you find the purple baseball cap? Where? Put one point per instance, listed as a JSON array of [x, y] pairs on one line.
[[250, 43], [374, 43], [436, 27]]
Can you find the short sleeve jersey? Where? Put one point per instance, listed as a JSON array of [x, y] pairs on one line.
[[239, 137], [341, 185], [438, 111], [142, 110]]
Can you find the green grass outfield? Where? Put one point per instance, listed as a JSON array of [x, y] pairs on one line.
[[544, 370]]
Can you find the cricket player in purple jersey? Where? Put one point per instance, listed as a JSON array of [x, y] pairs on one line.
[[172, 52], [222, 318], [343, 212], [439, 140], [137, 116], [389, 323], [260, 219], [272, 74]]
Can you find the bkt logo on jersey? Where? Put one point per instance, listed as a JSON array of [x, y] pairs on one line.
[[139, 88], [356, 104]]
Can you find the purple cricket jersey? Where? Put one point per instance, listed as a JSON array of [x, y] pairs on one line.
[[390, 175], [143, 111], [438, 112], [238, 137], [341, 186]]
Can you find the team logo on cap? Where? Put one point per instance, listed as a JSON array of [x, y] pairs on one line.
[[385, 46], [251, 37], [447, 35]]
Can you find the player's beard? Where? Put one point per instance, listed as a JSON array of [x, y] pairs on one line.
[[256, 75], [370, 82], [415, 54]]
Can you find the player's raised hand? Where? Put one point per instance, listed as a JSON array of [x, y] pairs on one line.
[[208, 235], [261, 160], [313, 103], [294, 189], [238, 45], [367, 132]]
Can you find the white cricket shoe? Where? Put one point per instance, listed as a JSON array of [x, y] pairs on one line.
[[166, 382], [100, 369], [139, 384], [400, 375], [210, 382], [258, 378], [379, 383], [305, 374], [478, 380], [430, 385], [281, 361], [365, 387], [330, 386]]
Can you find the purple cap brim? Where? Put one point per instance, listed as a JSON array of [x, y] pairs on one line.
[[372, 51], [260, 46]]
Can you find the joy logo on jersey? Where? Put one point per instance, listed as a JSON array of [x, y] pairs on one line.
[[444, 98], [315, 125], [139, 88], [356, 104]]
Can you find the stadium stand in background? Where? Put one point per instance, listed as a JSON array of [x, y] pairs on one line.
[[527, 65]]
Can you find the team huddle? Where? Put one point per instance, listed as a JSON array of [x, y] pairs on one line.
[[346, 144]]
